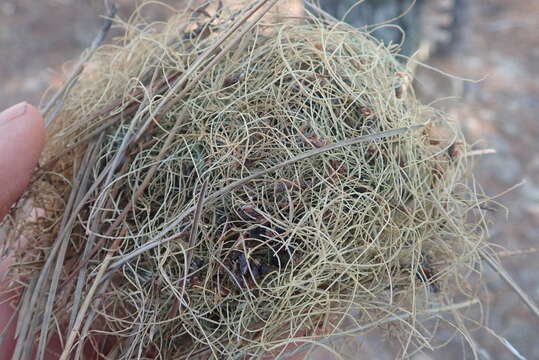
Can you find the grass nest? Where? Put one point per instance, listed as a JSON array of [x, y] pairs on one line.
[[227, 185]]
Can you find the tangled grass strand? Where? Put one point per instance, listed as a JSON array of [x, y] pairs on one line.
[[349, 234]]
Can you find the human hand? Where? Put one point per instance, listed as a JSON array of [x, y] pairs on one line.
[[22, 137]]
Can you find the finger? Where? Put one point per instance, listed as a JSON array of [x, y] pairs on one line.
[[22, 137]]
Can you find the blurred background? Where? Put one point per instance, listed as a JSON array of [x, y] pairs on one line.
[[493, 40]]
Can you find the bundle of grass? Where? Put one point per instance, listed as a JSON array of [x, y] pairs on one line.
[[223, 187]]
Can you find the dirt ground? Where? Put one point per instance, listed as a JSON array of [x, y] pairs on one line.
[[500, 112]]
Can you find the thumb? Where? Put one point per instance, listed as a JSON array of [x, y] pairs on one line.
[[22, 137]]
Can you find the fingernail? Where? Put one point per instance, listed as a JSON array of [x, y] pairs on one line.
[[13, 113]]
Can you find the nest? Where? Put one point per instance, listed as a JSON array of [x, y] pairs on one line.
[[227, 199]]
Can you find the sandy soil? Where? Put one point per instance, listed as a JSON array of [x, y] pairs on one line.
[[500, 112]]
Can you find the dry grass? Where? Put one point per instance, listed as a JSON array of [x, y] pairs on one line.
[[224, 187]]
